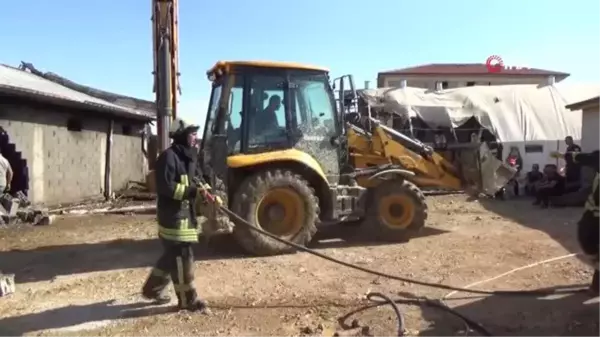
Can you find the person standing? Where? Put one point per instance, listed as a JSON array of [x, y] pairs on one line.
[[572, 169], [588, 225], [176, 193], [6, 174]]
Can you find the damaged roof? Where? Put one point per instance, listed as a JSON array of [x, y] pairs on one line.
[[29, 83], [469, 69]]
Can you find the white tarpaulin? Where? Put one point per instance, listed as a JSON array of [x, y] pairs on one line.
[[531, 117], [514, 113]]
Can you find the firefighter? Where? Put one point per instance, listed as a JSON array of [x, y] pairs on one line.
[[177, 225], [587, 228]]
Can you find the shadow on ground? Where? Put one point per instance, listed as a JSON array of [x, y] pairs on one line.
[[73, 316], [570, 315], [559, 223], [46, 263]]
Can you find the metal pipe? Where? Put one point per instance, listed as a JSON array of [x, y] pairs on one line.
[[108, 160], [164, 94]]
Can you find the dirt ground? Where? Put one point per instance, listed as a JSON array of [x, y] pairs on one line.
[[82, 276]]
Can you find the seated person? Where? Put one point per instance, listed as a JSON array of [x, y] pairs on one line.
[[514, 160], [551, 185], [532, 178], [266, 120]]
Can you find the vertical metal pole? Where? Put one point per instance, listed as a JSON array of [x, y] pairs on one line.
[[165, 98], [164, 95], [108, 160]]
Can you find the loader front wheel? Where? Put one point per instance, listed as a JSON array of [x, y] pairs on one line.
[[396, 211], [279, 202]]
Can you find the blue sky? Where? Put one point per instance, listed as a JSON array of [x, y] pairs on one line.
[[107, 44]]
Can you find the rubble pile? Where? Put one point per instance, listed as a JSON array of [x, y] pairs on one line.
[[18, 210]]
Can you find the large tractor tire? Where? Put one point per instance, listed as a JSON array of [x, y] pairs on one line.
[[396, 211], [279, 202]]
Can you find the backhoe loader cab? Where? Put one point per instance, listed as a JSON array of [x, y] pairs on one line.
[[274, 148]]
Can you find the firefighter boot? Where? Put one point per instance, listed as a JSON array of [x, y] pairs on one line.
[[155, 286], [197, 305], [188, 299]]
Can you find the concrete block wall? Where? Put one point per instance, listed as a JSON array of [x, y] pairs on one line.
[[128, 160], [69, 166]]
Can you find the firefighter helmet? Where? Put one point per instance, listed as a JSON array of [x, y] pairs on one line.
[[179, 126]]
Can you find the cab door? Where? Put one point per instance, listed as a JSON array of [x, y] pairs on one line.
[[213, 154], [213, 162], [314, 116]]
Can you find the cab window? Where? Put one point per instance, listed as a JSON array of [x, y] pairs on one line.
[[266, 127], [233, 122], [316, 106], [215, 101]]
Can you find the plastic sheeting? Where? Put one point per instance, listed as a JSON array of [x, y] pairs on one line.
[[531, 118], [514, 113]]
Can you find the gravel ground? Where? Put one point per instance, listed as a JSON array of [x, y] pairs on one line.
[[82, 275]]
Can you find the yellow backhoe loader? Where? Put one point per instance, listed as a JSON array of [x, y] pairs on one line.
[[284, 154], [287, 155]]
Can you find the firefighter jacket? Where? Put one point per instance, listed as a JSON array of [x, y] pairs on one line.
[[590, 160], [176, 195]]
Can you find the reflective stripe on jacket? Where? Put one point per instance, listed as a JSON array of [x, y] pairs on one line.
[[176, 194]]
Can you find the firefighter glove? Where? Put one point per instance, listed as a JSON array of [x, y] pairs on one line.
[[218, 200]]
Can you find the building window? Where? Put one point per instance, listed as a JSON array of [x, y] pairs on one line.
[[470, 84], [444, 85], [394, 84], [74, 124], [534, 148], [126, 129]]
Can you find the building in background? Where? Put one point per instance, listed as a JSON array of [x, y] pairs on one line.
[[446, 76], [67, 142], [590, 129]]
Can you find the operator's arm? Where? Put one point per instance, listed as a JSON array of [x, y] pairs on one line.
[[585, 159], [166, 179]]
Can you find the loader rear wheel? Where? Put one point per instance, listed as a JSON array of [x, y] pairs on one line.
[[279, 202], [396, 211]]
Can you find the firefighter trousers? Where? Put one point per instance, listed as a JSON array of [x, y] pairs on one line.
[[177, 264], [587, 234]]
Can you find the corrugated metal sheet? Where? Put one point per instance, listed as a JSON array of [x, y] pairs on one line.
[[13, 80]]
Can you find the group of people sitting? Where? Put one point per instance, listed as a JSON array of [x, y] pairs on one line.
[[547, 184]]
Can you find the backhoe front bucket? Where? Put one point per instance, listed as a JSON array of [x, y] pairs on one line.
[[483, 172]]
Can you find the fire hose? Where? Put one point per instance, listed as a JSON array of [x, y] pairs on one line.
[[381, 299]]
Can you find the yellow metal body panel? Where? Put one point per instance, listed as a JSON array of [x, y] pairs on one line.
[[381, 149], [247, 160], [225, 66]]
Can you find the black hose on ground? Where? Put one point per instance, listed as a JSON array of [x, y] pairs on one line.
[[469, 323], [534, 292]]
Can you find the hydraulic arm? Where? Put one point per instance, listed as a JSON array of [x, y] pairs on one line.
[[166, 86]]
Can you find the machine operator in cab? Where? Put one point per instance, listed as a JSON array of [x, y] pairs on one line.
[[588, 226], [176, 193]]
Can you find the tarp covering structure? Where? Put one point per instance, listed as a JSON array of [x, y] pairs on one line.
[[518, 115]]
